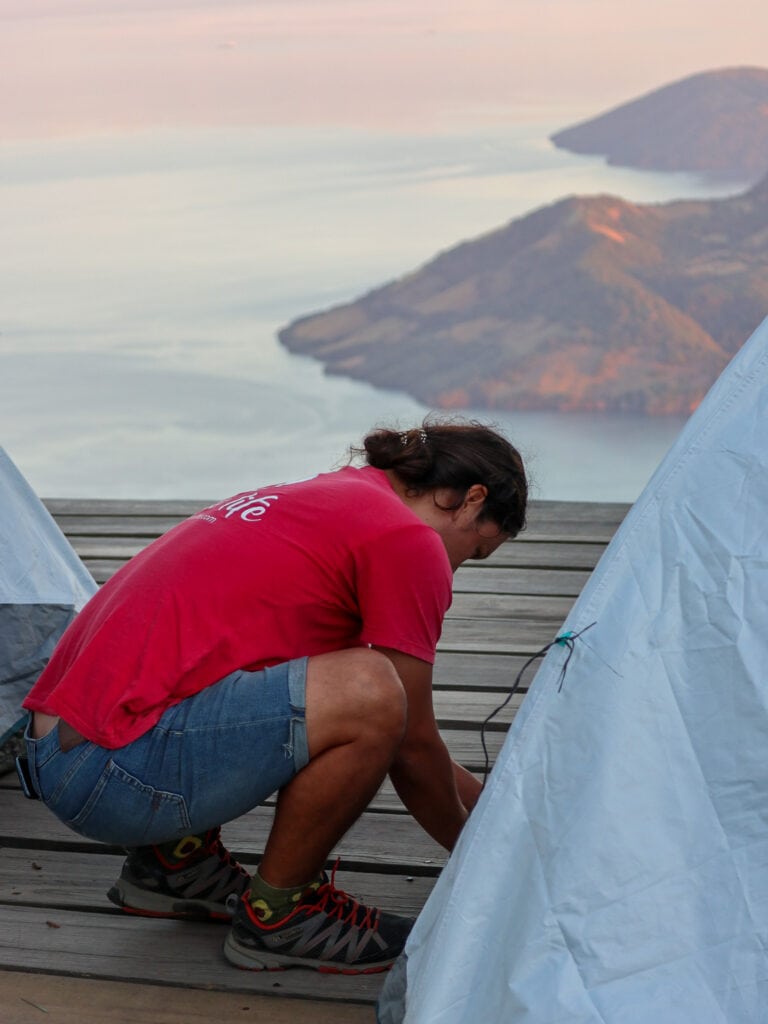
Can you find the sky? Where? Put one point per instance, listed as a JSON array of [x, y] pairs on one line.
[[79, 67], [153, 246]]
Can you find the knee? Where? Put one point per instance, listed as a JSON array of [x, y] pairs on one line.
[[382, 693], [357, 692]]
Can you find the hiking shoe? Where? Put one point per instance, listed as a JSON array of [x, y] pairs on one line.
[[201, 879], [328, 931]]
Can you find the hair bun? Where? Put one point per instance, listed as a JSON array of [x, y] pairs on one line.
[[454, 455]]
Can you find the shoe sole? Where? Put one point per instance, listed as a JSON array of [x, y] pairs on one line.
[[133, 900], [247, 959]]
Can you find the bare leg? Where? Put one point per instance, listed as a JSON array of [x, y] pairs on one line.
[[356, 713]]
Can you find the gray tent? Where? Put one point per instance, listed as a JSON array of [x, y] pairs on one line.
[[43, 584], [614, 869]]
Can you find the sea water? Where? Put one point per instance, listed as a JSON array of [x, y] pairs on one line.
[[143, 279]]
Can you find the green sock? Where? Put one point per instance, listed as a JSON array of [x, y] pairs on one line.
[[271, 903]]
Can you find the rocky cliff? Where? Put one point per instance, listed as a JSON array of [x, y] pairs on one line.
[[592, 303], [715, 122]]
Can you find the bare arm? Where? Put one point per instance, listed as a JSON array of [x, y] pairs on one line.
[[468, 786], [437, 792]]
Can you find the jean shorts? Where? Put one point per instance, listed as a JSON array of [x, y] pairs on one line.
[[209, 759]]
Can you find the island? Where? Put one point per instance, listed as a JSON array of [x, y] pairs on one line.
[[589, 304], [715, 122]]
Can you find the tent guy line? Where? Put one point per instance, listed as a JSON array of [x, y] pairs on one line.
[[567, 639]]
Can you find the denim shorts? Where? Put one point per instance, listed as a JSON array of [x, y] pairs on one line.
[[208, 760]]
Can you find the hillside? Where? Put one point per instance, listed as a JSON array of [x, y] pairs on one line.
[[716, 122], [592, 303]]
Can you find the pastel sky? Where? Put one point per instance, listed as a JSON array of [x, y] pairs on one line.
[[93, 66]]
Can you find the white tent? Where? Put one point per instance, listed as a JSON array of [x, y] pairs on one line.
[[42, 585], [615, 870]]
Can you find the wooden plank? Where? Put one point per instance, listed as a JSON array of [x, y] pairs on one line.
[[17, 813], [122, 507], [504, 636], [544, 511], [547, 520], [515, 555], [480, 671], [151, 526], [463, 743], [474, 578], [548, 555], [62, 1000], [545, 559], [385, 800], [388, 841], [470, 578], [545, 555], [459, 710], [106, 547], [178, 953], [103, 568], [574, 520], [531, 608], [76, 880], [148, 527], [385, 842]]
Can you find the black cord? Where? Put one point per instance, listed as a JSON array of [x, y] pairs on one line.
[[564, 640]]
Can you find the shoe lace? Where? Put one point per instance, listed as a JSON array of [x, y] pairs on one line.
[[339, 904], [216, 848]]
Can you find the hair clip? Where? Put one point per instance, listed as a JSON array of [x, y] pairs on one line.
[[404, 439]]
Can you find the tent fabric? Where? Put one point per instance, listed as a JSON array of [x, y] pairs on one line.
[[615, 870], [42, 585]]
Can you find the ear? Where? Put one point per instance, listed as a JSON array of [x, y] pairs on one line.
[[475, 497]]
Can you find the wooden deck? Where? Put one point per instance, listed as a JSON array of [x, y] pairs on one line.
[[56, 926]]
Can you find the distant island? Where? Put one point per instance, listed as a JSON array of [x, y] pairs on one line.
[[715, 122], [590, 304]]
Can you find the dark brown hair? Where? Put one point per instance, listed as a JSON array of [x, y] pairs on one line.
[[455, 454]]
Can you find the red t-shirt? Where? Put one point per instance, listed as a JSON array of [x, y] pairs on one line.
[[286, 571]]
